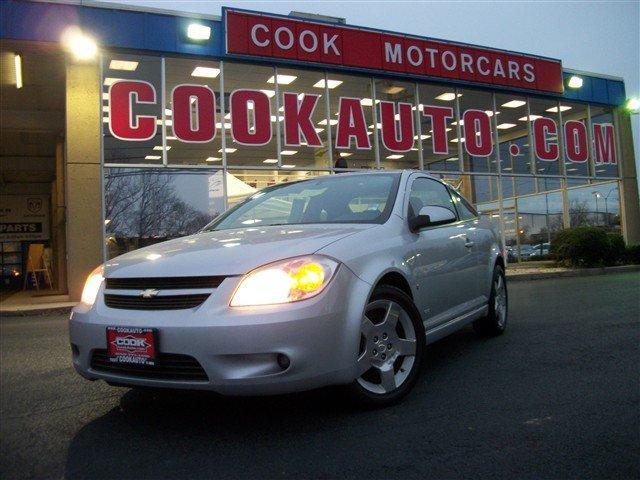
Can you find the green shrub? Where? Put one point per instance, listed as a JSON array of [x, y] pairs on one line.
[[587, 247], [632, 255]]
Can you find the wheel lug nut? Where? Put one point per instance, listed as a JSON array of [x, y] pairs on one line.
[[384, 336], [375, 339], [389, 346], [375, 352], [383, 356]]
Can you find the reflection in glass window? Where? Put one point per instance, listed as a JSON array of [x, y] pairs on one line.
[[549, 183], [541, 108], [147, 206], [477, 100], [353, 87], [595, 205], [254, 77], [396, 92], [539, 216], [243, 183], [132, 67], [525, 185], [483, 189], [427, 192], [181, 71], [513, 134], [310, 83], [604, 142], [434, 158], [575, 145]]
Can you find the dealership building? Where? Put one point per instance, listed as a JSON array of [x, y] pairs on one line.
[[122, 127]]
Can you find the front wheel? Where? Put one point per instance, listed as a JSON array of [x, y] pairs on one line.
[[495, 322], [392, 341]]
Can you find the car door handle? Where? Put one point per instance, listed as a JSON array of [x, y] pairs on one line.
[[469, 244]]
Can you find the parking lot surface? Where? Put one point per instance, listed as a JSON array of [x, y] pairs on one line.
[[557, 396]]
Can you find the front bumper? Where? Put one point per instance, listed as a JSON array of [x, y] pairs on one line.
[[238, 347]]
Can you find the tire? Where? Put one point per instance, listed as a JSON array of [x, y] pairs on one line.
[[495, 322], [391, 349]]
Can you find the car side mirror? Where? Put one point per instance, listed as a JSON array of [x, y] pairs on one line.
[[430, 216]]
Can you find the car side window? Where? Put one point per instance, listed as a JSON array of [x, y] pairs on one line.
[[465, 210], [425, 191]]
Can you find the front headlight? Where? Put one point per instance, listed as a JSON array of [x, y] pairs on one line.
[[285, 281], [92, 285]]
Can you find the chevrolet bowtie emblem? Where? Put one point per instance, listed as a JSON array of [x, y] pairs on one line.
[[149, 293]]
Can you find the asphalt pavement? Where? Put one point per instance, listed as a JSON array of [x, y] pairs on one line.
[[557, 396]]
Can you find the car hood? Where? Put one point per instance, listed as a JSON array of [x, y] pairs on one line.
[[226, 252]]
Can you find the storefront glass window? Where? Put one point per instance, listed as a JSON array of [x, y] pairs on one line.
[[118, 67], [482, 101], [576, 153], [445, 157], [184, 73], [548, 151], [263, 152], [242, 183], [397, 92], [146, 206], [549, 183], [606, 156], [310, 83], [597, 205], [356, 154], [513, 138]]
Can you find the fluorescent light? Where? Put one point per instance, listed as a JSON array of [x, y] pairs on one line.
[[563, 108], [448, 96], [126, 65], [270, 160], [288, 166], [288, 152], [171, 137], [159, 147], [282, 79], [393, 90], [228, 150], [212, 159], [514, 104], [490, 113], [422, 137], [345, 154], [378, 125], [208, 72], [152, 157], [455, 123], [17, 61], [108, 81], [167, 122], [227, 125], [269, 93], [395, 157], [196, 31], [574, 82], [504, 126], [318, 130], [330, 83], [367, 102], [531, 118], [167, 112], [331, 122], [279, 118], [455, 140]]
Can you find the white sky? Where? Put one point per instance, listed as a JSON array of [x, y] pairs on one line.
[[594, 36]]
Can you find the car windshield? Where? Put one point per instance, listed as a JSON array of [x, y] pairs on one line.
[[361, 198]]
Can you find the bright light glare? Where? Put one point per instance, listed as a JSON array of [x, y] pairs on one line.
[[575, 82], [81, 46], [195, 31], [91, 286], [633, 104], [17, 60], [284, 282]]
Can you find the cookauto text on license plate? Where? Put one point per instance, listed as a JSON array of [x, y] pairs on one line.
[[131, 345]]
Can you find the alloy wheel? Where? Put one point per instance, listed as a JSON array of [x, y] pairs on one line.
[[387, 347]]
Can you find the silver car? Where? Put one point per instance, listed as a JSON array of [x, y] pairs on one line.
[[335, 280]]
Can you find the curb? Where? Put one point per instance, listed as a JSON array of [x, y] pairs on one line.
[[64, 309], [583, 272]]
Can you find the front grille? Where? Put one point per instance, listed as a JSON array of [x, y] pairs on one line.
[[169, 366], [166, 302], [166, 283]]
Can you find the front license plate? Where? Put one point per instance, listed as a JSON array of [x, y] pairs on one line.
[[131, 345]]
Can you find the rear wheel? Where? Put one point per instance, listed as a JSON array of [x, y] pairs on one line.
[[495, 322], [391, 349]]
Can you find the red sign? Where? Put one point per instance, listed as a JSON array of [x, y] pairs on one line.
[[291, 39], [131, 345]]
